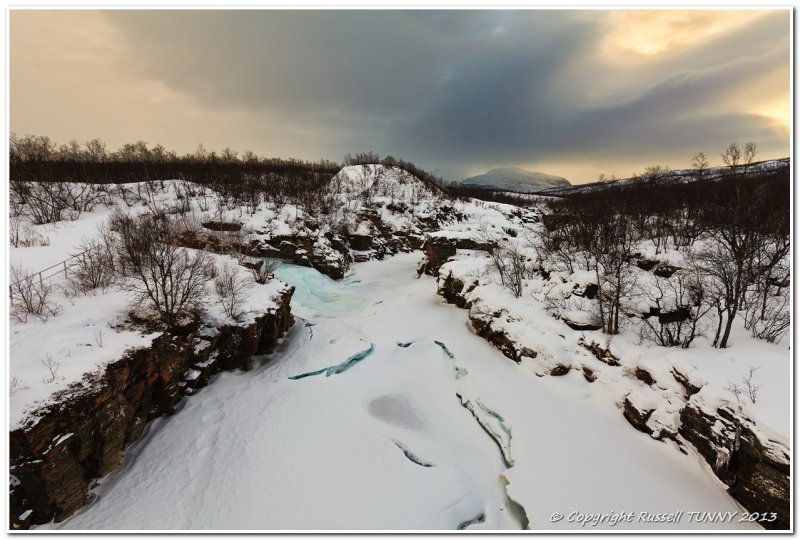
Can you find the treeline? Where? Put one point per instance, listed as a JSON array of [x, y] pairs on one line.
[[734, 234], [39, 159]]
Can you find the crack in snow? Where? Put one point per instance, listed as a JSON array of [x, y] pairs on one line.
[[486, 417], [444, 348], [338, 368], [480, 518], [480, 414], [411, 456], [516, 509]]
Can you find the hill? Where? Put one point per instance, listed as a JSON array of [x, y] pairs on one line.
[[516, 179], [677, 176]]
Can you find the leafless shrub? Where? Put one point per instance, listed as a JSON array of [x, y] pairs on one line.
[[509, 258], [264, 272], [750, 387], [95, 265], [98, 338], [52, 366], [23, 235], [31, 296], [771, 320], [16, 384], [230, 290], [47, 202], [734, 389]]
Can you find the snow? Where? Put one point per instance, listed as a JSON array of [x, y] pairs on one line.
[[387, 444], [532, 321], [91, 330], [381, 410]]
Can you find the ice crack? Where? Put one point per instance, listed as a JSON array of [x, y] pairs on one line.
[[338, 368], [480, 518], [411, 456]]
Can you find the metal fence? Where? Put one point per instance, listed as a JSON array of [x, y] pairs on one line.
[[51, 271]]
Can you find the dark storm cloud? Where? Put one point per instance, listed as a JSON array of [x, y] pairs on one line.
[[505, 105], [453, 90]]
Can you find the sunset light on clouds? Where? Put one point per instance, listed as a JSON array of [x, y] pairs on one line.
[[572, 92]]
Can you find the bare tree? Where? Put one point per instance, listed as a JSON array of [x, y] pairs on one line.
[[750, 152], [612, 250], [230, 290], [700, 166], [170, 278], [681, 303], [732, 155]]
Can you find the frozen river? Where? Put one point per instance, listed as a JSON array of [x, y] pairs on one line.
[[381, 410]]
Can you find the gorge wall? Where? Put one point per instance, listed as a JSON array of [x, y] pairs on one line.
[[56, 457]]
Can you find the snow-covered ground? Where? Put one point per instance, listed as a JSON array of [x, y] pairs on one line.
[[375, 435], [529, 321], [89, 330]]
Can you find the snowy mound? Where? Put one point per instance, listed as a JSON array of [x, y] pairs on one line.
[[378, 181]]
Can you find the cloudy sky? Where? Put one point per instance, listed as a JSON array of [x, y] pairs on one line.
[[572, 93]]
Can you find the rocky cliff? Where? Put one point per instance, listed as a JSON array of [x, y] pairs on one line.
[[56, 456], [755, 468]]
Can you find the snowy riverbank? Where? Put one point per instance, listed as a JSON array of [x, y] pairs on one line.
[[386, 443]]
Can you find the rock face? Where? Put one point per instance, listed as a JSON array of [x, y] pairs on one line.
[[755, 469], [637, 417], [66, 446], [438, 249], [454, 290]]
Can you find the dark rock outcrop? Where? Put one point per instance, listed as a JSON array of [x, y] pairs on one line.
[[646, 264], [438, 249], [589, 374], [452, 289], [227, 226], [56, 456], [644, 376], [683, 380], [677, 315], [581, 326], [588, 291], [756, 470], [637, 417], [665, 270], [482, 324], [604, 355]]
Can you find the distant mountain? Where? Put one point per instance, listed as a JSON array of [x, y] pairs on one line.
[[516, 179], [676, 176]]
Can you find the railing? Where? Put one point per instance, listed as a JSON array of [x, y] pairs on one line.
[[59, 267]]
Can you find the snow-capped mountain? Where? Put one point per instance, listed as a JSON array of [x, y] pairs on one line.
[[677, 176], [516, 179]]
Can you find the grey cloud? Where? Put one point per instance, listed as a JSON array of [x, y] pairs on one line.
[[453, 89]]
